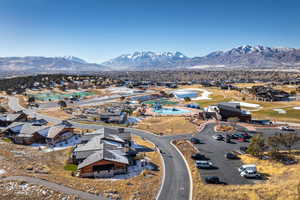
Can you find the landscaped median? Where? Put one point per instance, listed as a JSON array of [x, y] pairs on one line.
[[283, 180]]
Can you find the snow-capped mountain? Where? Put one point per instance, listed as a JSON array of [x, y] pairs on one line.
[[244, 56], [74, 59], [249, 56], [146, 59], [44, 64]]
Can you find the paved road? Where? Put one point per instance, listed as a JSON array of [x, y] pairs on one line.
[[56, 187], [176, 184]]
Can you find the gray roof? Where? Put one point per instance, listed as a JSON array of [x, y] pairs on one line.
[[104, 154], [10, 117], [104, 133], [108, 133], [95, 144], [52, 131], [24, 129]]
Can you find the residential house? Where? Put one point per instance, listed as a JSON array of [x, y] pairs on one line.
[[114, 117], [23, 133], [104, 163], [57, 133], [7, 119], [104, 153]]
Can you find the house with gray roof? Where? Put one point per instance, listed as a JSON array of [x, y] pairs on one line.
[[8, 118], [23, 132], [110, 134], [104, 163], [57, 133]]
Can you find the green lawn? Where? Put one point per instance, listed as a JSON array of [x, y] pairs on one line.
[[7, 140], [292, 115], [70, 167]]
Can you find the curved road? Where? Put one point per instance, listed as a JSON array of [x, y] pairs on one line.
[[176, 183]]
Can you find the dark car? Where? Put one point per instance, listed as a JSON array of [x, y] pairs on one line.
[[243, 149], [212, 180], [287, 128], [240, 136], [195, 141], [230, 155], [198, 156]]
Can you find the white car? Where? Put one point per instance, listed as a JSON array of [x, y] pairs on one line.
[[250, 167], [248, 173], [204, 164], [286, 128]]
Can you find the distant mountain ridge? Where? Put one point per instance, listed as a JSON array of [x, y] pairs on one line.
[[146, 59], [241, 57], [244, 56], [47, 64]]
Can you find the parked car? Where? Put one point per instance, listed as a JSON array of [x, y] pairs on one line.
[[218, 137], [240, 135], [195, 140], [212, 180], [198, 156], [249, 173], [249, 167], [243, 149], [204, 164], [286, 128], [230, 155]]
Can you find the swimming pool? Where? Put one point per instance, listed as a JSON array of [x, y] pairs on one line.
[[185, 93], [172, 111]]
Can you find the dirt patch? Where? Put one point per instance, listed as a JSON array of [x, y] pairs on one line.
[[55, 112], [168, 125]]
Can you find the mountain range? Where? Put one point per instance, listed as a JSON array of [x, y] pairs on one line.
[[47, 64], [240, 57]]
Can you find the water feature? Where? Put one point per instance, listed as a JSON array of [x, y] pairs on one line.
[[171, 111]]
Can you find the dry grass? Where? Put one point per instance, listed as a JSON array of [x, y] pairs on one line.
[[22, 100], [282, 185], [144, 186], [55, 112], [167, 125], [224, 128]]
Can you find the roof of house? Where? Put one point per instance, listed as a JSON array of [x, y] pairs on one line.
[[24, 129], [104, 154], [9, 117], [52, 131], [96, 143], [109, 134]]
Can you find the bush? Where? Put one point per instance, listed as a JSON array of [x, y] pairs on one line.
[[7, 140], [70, 167]]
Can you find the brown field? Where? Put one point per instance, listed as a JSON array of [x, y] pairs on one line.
[[55, 112], [167, 125], [283, 183], [50, 166]]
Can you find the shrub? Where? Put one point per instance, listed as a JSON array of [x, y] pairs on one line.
[[70, 167]]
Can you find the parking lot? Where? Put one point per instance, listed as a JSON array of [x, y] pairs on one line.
[[225, 169]]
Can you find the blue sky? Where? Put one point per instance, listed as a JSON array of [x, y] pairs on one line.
[[97, 30]]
